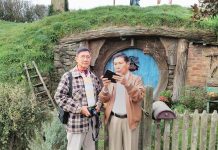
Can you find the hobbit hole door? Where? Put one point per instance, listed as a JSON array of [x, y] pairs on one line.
[[140, 64]]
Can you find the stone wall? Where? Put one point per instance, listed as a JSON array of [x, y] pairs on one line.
[[103, 49], [180, 63]]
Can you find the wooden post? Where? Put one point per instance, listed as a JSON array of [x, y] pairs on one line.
[[203, 131], [95, 48], [181, 66], [195, 127], [141, 130], [166, 145], [148, 120], [175, 133], [157, 136], [114, 2], [170, 46], [185, 128], [213, 131]]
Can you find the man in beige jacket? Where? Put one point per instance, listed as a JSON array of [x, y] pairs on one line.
[[123, 105]]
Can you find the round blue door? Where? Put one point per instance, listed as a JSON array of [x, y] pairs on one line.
[[144, 66]]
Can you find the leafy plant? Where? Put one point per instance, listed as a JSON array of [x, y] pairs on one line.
[[166, 96], [19, 116], [206, 9], [178, 106], [193, 98], [166, 93], [52, 136]]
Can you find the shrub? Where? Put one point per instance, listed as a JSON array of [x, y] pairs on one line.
[[51, 137], [206, 9], [194, 98], [21, 11], [19, 116], [178, 106]]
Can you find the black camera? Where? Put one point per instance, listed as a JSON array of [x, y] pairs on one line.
[[93, 111]]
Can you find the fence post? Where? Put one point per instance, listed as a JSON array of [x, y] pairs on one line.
[[203, 131], [141, 130], [148, 120], [166, 145], [175, 132], [185, 128], [157, 136], [213, 131], [195, 127]]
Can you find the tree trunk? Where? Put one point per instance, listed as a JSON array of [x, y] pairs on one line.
[[12, 140], [59, 5], [181, 66]]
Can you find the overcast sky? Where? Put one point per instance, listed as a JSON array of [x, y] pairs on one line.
[[86, 4]]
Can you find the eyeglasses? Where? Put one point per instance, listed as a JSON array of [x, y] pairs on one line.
[[85, 57]]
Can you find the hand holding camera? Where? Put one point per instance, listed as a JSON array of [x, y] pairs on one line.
[[105, 81], [93, 111], [89, 111], [120, 78], [85, 111]]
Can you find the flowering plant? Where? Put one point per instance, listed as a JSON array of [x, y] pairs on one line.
[[165, 96]]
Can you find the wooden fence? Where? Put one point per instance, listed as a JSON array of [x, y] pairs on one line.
[[189, 131]]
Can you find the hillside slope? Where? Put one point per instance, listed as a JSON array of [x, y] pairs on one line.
[[25, 42]]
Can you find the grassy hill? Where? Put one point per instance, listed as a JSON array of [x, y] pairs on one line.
[[23, 42]]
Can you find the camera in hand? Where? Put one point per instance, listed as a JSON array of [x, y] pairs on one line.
[[109, 74], [93, 111]]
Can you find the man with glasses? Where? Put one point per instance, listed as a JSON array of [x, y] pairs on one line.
[[85, 90]]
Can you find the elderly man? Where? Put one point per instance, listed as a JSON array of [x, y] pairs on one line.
[[123, 109], [85, 90]]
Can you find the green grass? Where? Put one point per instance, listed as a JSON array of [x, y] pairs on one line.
[[25, 42]]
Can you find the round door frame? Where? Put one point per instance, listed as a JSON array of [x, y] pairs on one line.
[[106, 54]]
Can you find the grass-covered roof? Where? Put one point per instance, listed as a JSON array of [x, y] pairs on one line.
[[24, 42]]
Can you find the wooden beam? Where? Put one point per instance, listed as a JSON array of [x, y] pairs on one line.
[[170, 45], [112, 32], [148, 100], [181, 66], [95, 48]]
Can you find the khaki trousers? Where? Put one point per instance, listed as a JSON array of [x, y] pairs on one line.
[[121, 137], [80, 140]]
